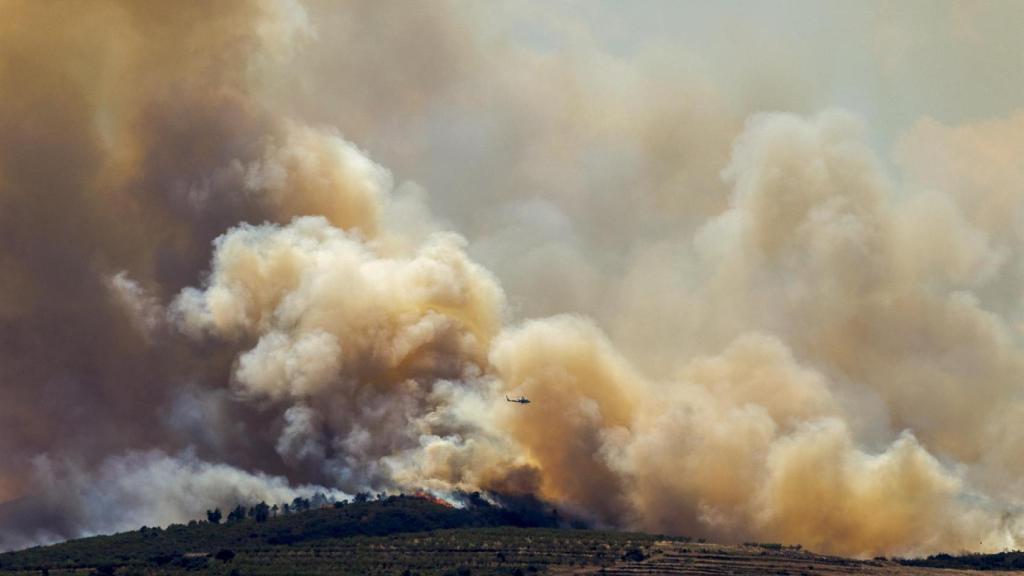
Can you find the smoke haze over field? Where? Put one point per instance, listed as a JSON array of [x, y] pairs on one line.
[[759, 266]]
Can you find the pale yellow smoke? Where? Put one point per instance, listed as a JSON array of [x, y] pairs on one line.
[[588, 389], [748, 443]]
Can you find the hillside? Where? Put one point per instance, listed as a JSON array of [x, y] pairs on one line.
[[411, 535], [361, 529]]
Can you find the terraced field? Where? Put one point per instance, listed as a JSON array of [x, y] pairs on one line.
[[457, 552], [508, 551], [671, 558]]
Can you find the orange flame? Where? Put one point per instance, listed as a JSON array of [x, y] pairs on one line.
[[431, 498]]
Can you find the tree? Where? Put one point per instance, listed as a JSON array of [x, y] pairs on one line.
[[261, 512], [237, 514], [362, 497], [213, 516], [319, 500]]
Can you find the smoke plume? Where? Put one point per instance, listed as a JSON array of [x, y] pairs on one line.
[[736, 314]]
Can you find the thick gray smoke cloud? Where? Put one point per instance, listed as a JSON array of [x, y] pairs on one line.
[[733, 322]]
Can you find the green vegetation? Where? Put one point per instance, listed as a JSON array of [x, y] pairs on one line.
[[773, 546], [999, 561], [394, 536]]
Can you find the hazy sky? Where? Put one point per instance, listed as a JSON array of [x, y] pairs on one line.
[[890, 62]]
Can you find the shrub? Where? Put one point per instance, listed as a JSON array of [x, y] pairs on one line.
[[224, 555], [634, 555], [213, 516]]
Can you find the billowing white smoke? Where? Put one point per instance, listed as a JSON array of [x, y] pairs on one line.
[[358, 342]]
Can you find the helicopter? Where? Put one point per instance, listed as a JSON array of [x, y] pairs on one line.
[[520, 400]]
